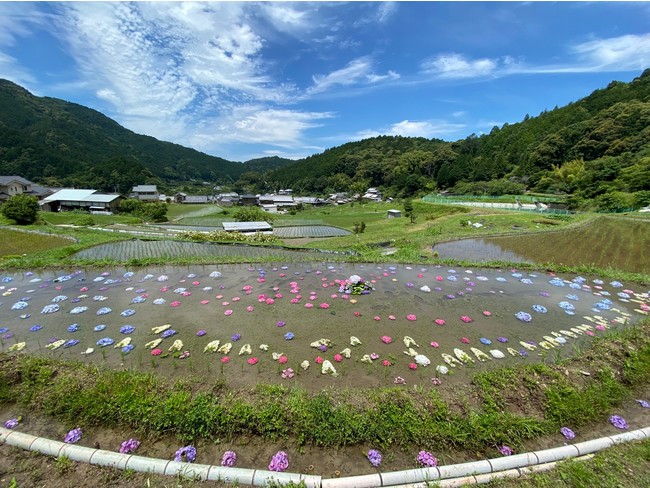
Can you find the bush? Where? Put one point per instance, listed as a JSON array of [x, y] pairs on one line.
[[22, 209], [252, 214], [155, 212]]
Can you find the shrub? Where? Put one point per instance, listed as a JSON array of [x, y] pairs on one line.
[[22, 209]]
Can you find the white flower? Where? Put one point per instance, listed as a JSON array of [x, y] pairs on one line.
[[354, 279], [212, 346]]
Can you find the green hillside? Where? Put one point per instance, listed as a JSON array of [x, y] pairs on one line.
[[53, 141]]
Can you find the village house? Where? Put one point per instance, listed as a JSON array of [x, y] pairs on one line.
[[88, 200], [16, 185], [146, 193]]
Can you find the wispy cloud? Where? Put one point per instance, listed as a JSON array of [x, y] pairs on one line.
[[412, 128], [458, 66], [358, 71]]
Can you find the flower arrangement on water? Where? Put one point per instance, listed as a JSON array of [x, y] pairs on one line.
[[187, 454], [279, 461], [127, 447], [73, 436], [425, 458], [252, 361], [374, 456], [229, 459]]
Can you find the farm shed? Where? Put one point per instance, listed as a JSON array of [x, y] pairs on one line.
[[393, 214], [90, 200], [248, 227]]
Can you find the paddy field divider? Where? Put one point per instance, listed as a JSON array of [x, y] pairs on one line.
[[475, 472]]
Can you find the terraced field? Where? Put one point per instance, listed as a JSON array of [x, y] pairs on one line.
[[292, 232]]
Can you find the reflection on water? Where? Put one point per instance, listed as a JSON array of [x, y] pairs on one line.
[[290, 307], [478, 250]]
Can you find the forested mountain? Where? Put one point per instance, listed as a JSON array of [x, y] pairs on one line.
[[597, 150], [55, 142], [597, 147]]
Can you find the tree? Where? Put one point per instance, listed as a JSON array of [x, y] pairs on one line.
[[252, 214], [409, 211], [23, 209]]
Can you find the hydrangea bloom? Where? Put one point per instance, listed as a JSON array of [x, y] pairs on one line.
[[187, 453], [73, 436], [567, 433], [374, 456], [127, 447], [506, 450], [425, 458], [229, 459], [279, 461], [11, 423], [618, 422]]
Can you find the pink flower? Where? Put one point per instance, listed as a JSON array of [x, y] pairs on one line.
[[386, 362], [283, 359], [313, 297], [334, 295], [377, 318], [357, 314], [225, 304], [413, 366], [338, 358], [325, 285], [156, 352], [219, 297], [440, 322], [309, 305], [282, 275], [590, 332], [374, 355], [261, 280], [386, 339], [435, 344], [236, 299], [487, 313], [252, 361], [465, 318], [174, 304], [439, 278], [325, 305], [270, 301], [420, 275], [319, 360], [195, 283], [465, 340], [250, 308], [83, 289], [261, 298], [278, 295], [391, 317], [294, 300], [411, 317], [227, 312], [205, 302], [225, 359]]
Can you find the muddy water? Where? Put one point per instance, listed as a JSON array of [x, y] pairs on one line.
[[266, 305]]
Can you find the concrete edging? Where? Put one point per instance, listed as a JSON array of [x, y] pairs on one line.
[[448, 475]]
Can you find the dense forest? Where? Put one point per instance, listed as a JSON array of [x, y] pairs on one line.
[[595, 150]]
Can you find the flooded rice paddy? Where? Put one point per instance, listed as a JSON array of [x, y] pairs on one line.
[[606, 243], [302, 324]]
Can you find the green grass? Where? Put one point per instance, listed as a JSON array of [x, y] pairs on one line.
[[176, 211], [16, 242], [78, 218]]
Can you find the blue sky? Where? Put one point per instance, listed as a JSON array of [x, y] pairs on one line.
[[253, 79]]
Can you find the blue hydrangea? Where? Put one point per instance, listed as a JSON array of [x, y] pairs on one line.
[[289, 335], [106, 341], [99, 328], [524, 316], [127, 329], [168, 333], [35, 328], [71, 342], [128, 312], [73, 328], [539, 308], [127, 349]]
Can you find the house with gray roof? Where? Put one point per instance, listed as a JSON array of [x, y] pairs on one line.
[[17, 185], [88, 200], [146, 193]]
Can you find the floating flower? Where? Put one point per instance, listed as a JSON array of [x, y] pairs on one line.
[[440, 322], [283, 359], [127, 329], [411, 317], [524, 316], [487, 313], [618, 422], [227, 312], [187, 454], [229, 459], [464, 340], [434, 344], [226, 359], [386, 339], [156, 352], [309, 305], [288, 336], [438, 381], [319, 360], [338, 358], [567, 433], [643, 403], [374, 356], [413, 366], [279, 461], [377, 318], [502, 339], [252, 361], [399, 380], [73, 436], [465, 318], [168, 333], [374, 456], [324, 305], [250, 308], [11, 423], [127, 447], [201, 332], [235, 337], [281, 323], [288, 373], [386, 362], [425, 458]]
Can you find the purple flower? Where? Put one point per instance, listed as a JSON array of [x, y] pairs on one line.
[[279, 461], [236, 337], [643, 403], [11, 423], [187, 453], [425, 458], [567, 433], [618, 422], [506, 450], [73, 436], [127, 447], [229, 459], [168, 333], [374, 456], [281, 323], [201, 333], [322, 348]]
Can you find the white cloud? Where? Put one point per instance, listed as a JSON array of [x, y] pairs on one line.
[[411, 128], [457, 66], [386, 11], [358, 71], [625, 53]]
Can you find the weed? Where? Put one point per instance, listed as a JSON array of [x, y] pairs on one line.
[[63, 464]]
